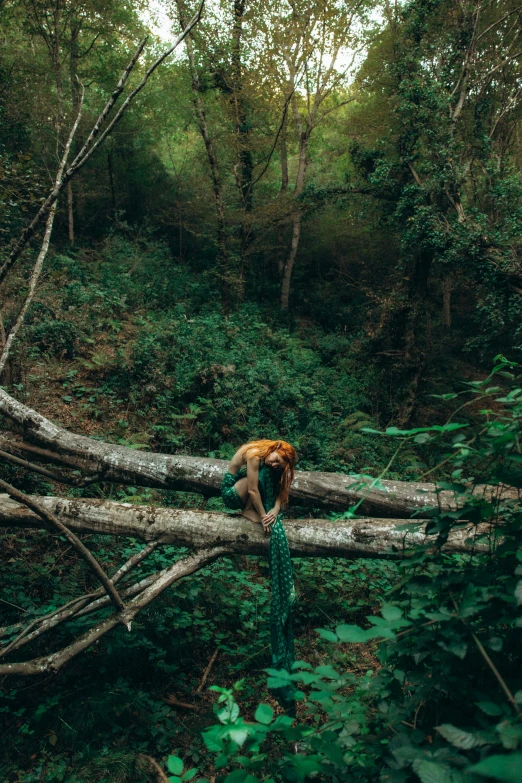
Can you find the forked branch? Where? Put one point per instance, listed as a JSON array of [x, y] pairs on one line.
[[165, 578], [82, 550], [93, 142], [78, 607]]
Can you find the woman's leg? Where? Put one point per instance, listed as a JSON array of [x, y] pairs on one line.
[[249, 511]]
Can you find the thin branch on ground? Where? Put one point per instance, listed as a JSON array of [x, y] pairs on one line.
[[168, 576], [173, 700], [207, 671], [155, 766]]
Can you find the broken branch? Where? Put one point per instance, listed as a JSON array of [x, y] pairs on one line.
[[82, 550]]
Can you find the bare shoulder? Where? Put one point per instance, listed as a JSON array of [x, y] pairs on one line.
[[238, 460]]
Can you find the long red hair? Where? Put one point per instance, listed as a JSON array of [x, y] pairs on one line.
[[262, 448]]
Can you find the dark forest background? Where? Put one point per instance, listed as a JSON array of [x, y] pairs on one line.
[[308, 224]]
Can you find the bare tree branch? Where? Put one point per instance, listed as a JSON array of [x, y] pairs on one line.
[[30, 230], [35, 468], [168, 576], [51, 474], [45, 243], [276, 139], [91, 145], [82, 550], [81, 606], [497, 22]]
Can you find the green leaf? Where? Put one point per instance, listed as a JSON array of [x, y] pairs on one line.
[[351, 633], [328, 635], [301, 665], [460, 738], [213, 739], [305, 677], [327, 671], [229, 715], [175, 765], [459, 649], [489, 708], [174, 779], [264, 714], [237, 776], [276, 682], [518, 592], [238, 736], [189, 774], [390, 612], [507, 768], [431, 772]]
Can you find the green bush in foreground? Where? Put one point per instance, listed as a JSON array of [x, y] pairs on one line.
[[445, 706]]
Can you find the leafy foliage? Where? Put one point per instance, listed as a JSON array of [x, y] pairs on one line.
[[445, 702]]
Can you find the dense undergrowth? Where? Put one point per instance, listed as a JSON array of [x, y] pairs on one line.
[[124, 345], [137, 345]]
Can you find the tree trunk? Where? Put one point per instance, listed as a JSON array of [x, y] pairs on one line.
[[70, 212], [217, 189], [284, 189], [296, 222], [122, 465], [446, 300], [284, 160], [416, 339], [245, 165], [111, 183], [375, 538], [74, 57], [290, 261]]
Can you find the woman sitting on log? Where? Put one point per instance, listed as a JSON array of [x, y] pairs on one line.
[[258, 483], [258, 480]]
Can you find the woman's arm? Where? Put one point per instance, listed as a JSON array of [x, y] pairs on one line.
[[253, 486], [271, 516]]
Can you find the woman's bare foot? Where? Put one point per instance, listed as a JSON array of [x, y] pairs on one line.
[[249, 510], [251, 513]]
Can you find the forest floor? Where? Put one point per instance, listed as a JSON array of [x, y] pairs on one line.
[[181, 377]]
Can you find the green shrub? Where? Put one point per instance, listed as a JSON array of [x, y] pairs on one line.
[[445, 703]]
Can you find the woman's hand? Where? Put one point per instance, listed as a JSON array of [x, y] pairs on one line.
[[269, 519]]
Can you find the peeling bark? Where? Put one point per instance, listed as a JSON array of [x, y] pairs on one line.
[[122, 465], [368, 537]]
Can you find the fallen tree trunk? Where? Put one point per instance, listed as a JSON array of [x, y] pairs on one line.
[[199, 474], [212, 535], [375, 538]]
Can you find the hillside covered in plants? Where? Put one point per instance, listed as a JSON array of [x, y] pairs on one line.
[[260, 220]]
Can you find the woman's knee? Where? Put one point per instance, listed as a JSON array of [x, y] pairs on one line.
[[242, 489]]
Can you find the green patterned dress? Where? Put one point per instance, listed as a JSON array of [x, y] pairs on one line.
[[280, 563]]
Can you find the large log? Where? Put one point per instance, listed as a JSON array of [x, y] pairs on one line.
[[123, 465], [375, 538]]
